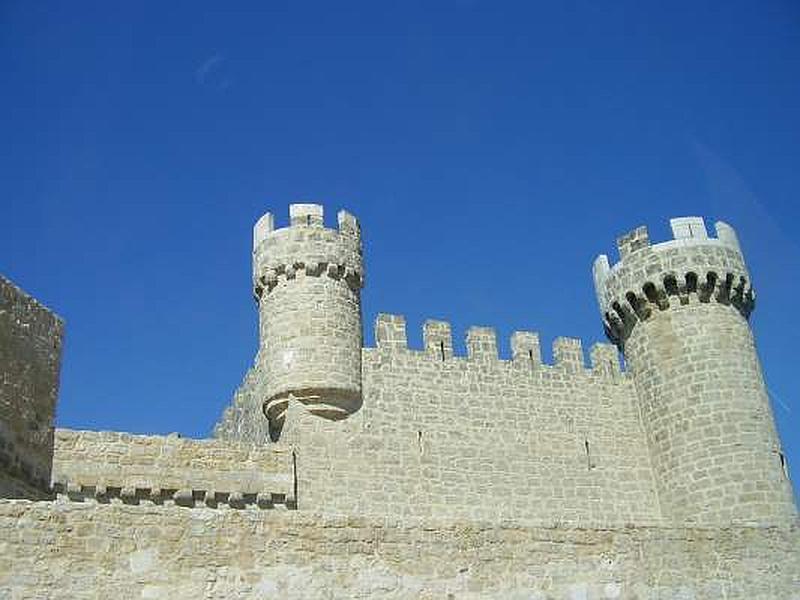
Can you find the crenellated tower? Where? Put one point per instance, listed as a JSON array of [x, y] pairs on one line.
[[679, 312], [307, 281]]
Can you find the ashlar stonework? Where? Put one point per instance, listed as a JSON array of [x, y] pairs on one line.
[[344, 471]]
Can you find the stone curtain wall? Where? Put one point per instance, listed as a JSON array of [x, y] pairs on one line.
[[30, 361], [67, 550], [89, 463], [480, 438]]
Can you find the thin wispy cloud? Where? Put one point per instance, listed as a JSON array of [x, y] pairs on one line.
[[730, 193], [733, 197], [211, 72]]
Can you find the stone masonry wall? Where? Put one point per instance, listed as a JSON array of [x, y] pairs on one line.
[[679, 311], [67, 550], [243, 419], [307, 279], [30, 361], [715, 451], [106, 464], [480, 438]]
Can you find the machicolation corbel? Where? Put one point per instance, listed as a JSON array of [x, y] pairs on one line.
[[651, 278]]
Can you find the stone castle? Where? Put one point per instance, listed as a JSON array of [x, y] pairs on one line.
[[343, 471]]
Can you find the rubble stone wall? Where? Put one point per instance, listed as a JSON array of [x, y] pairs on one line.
[[30, 361]]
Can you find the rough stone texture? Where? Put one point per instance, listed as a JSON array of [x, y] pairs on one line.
[[30, 354], [244, 418], [421, 474], [685, 435], [68, 550], [679, 312]]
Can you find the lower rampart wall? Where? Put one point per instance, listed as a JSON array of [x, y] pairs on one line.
[[66, 550]]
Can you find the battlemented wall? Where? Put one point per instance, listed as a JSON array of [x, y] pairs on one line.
[[477, 437], [421, 474], [70, 550], [684, 436], [30, 354], [106, 465]]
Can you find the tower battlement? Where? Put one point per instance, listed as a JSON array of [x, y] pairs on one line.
[[306, 247], [307, 280], [339, 469], [679, 311], [652, 277]]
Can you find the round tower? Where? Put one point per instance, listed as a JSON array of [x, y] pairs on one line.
[[679, 312], [307, 281]]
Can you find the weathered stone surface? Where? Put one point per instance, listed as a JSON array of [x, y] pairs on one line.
[[66, 550], [30, 355], [146, 462], [448, 476], [679, 312], [307, 279]]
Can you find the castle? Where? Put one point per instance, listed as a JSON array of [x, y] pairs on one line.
[[343, 471]]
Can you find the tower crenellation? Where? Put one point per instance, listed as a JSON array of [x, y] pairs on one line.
[[664, 479], [306, 245], [690, 267], [307, 280], [679, 311]]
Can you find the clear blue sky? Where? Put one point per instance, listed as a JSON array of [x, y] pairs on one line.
[[490, 150]]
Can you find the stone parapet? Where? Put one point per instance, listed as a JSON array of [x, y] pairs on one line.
[[107, 464], [692, 267]]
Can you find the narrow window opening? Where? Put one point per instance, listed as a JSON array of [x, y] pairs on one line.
[[308, 220], [419, 441], [589, 465], [784, 464], [530, 355], [441, 350], [294, 478]]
